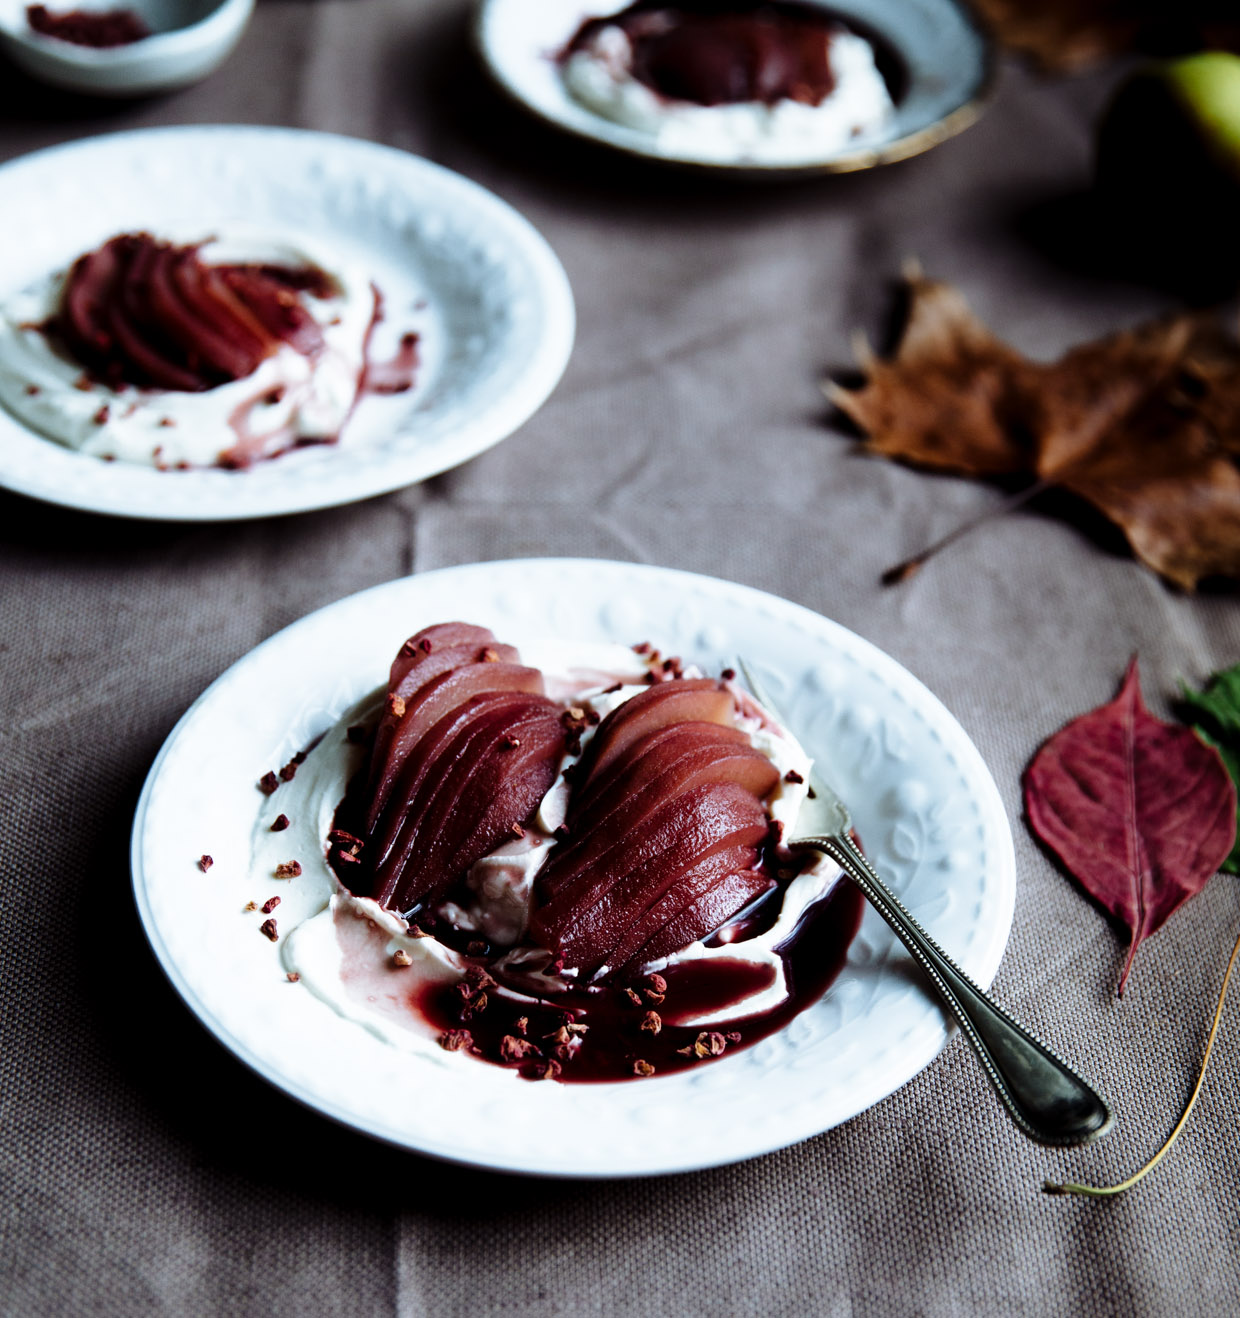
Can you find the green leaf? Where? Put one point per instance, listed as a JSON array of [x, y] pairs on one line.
[[1214, 714]]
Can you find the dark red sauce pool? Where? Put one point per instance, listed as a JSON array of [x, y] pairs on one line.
[[99, 28]]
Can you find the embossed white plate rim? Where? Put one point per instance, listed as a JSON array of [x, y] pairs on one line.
[[484, 1116], [518, 375], [949, 87]]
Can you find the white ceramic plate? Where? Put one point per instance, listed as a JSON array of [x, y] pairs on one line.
[[947, 60], [498, 322], [922, 797]]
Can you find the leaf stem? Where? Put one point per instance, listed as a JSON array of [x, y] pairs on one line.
[[902, 571], [1103, 1191]]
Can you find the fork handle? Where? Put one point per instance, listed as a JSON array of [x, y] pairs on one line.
[[1045, 1098]]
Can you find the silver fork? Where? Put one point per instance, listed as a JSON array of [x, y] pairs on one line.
[[1046, 1099]]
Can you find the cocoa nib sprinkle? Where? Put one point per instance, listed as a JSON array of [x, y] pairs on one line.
[[270, 905], [205, 862], [279, 823], [345, 846], [513, 1049], [793, 777], [268, 929], [452, 1041], [292, 976], [728, 675], [546, 1068], [288, 869], [268, 783], [289, 772], [710, 1043]]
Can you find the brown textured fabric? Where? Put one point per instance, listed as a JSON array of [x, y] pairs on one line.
[[145, 1171]]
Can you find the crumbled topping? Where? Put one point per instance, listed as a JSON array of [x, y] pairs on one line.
[[512, 1049], [205, 862], [454, 1040], [728, 674], [279, 823], [488, 656], [270, 905], [268, 783], [710, 1043], [652, 1022], [521, 1025], [642, 1068], [401, 958], [546, 1068], [633, 996], [292, 976], [477, 979], [288, 869], [250, 906], [396, 706], [793, 777], [268, 929], [509, 742]]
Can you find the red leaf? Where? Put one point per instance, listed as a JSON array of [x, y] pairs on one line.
[[1140, 811]]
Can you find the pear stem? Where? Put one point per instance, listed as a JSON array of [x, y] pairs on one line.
[[902, 571], [1103, 1191]]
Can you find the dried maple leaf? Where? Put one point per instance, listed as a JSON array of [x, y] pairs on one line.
[[1141, 812], [953, 396], [1144, 425]]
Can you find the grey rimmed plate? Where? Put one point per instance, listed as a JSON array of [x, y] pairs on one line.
[[945, 74]]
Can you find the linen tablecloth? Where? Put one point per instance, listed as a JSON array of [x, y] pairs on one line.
[[146, 1171]]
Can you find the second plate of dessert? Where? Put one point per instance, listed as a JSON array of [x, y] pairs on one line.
[[230, 322], [759, 87], [333, 1000]]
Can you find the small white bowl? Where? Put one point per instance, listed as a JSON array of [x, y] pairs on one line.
[[189, 39]]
